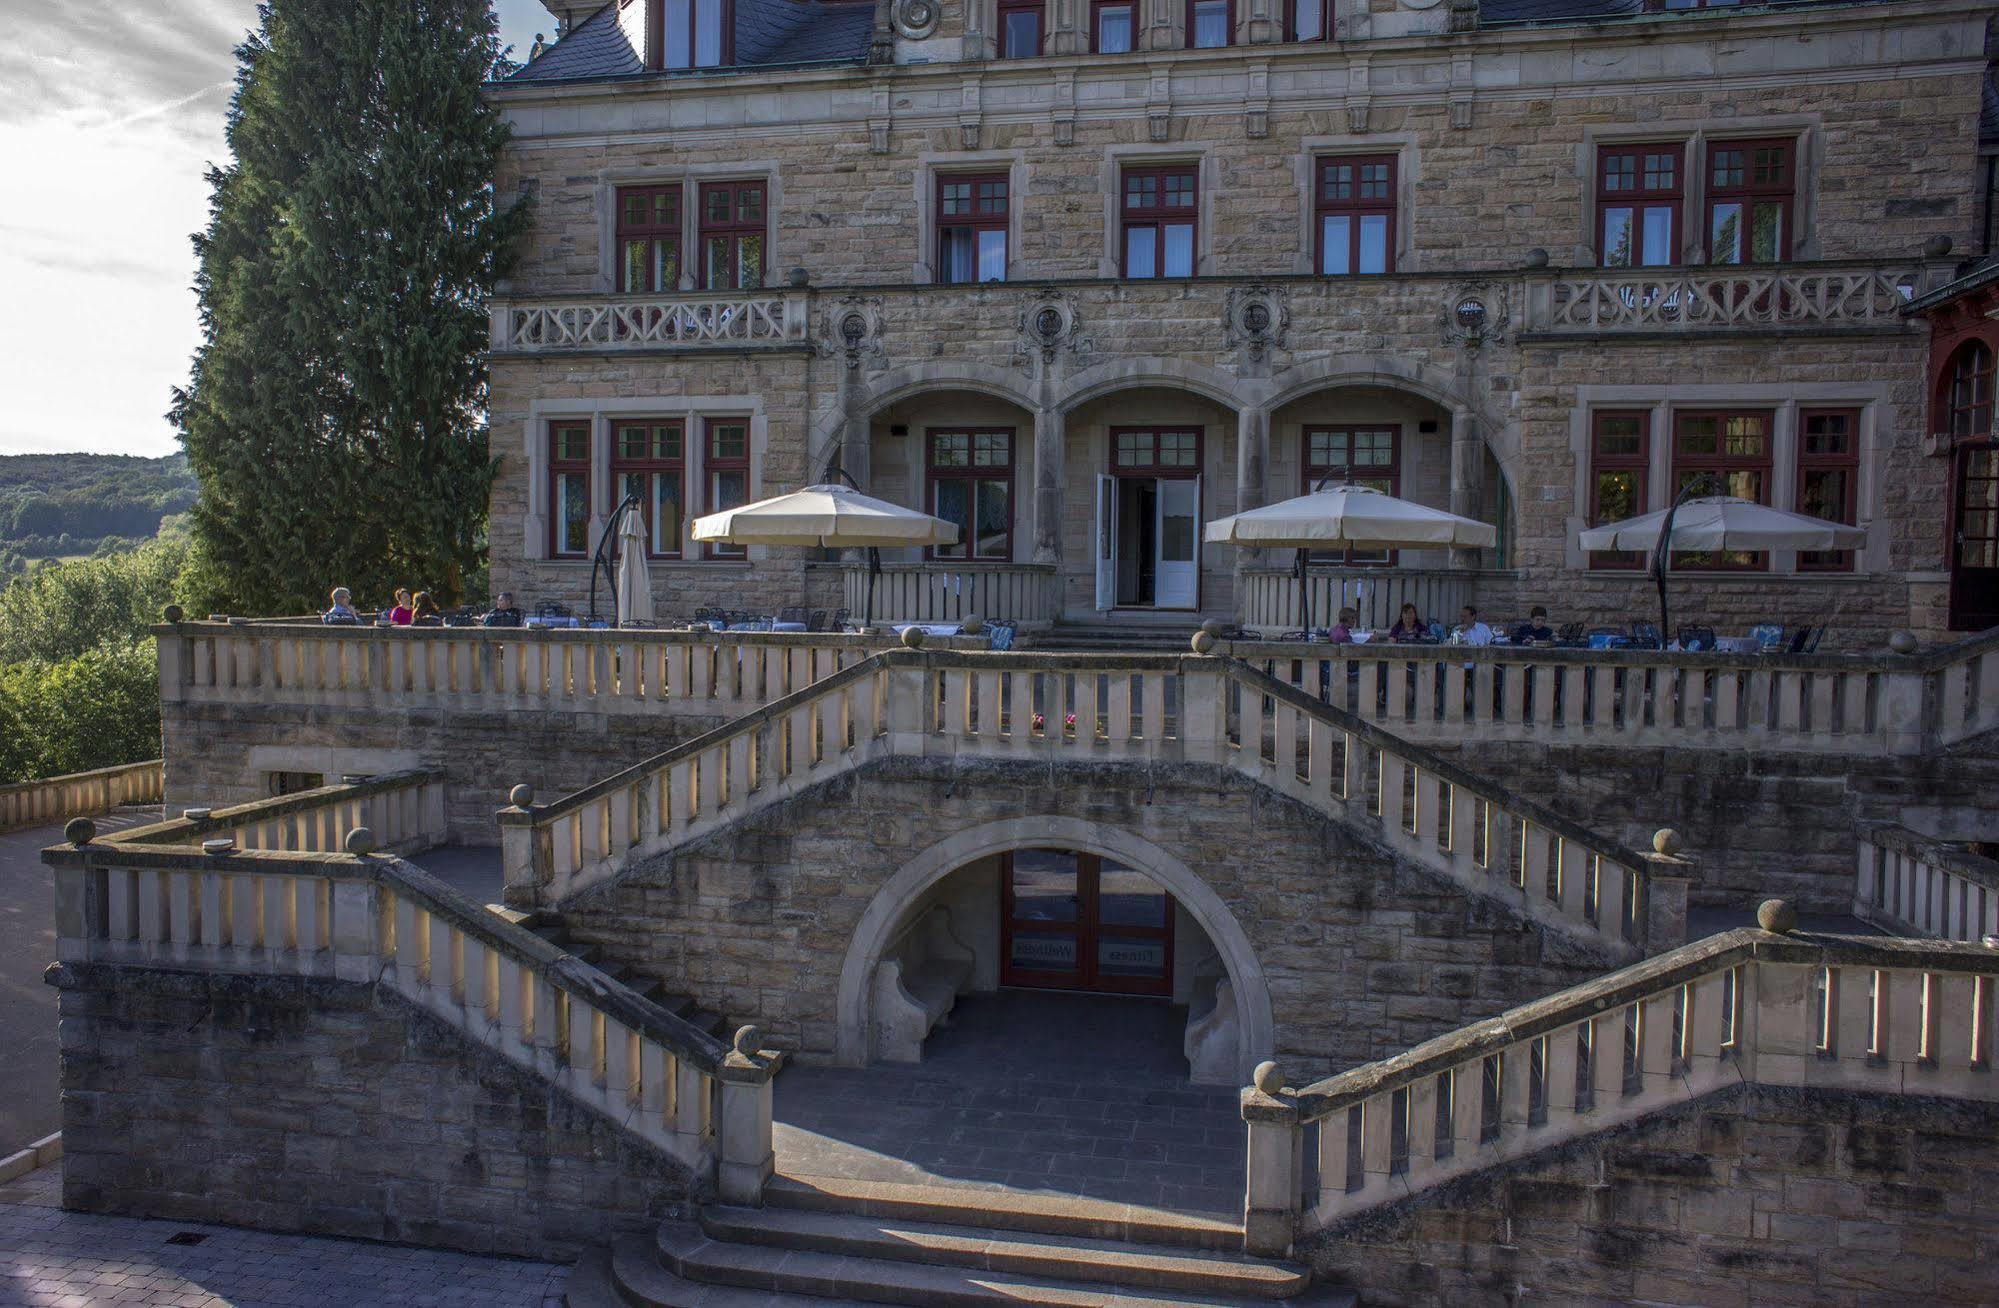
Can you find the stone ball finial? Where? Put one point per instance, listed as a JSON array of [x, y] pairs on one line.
[[1937, 247], [748, 1041], [79, 831], [1667, 841], [800, 278], [360, 842], [1537, 258], [1903, 642], [1203, 642], [1777, 917], [972, 624], [1267, 1078], [521, 796], [173, 613], [913, 637]]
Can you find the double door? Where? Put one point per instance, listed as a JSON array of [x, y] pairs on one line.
[[1076, 921], [1148, 547]]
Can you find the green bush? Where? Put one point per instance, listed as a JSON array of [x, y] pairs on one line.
[[96, 710], [57, 613]]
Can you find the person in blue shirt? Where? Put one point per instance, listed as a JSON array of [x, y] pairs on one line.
[[1536, 629], [342, 613]]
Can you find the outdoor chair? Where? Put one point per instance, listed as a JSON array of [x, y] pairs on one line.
[[839, 620], [1569, 636], [553, 609], [1001, 635], [816, 622], [1818, 634], [1800, 637], [793, 615], [1768, 636], [710, 615], [1699, 640], [1645, 635]]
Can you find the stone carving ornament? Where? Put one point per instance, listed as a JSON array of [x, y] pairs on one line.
[[1257, 318], [916, 19], [1475, 315], [1048, 325], [853, 331]]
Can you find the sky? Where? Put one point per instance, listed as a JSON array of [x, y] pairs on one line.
[[110, 118]]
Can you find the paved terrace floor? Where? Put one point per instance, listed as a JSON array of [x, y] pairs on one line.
[[53, 1259], [1046, 1093]]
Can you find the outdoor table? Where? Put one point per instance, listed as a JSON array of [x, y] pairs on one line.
[[787, 626], [1738, 645], [538, 621]]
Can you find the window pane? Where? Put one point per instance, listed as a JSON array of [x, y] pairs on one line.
[[1616, 496], [732, 488], [1141, 192], [1311, 20], [1766, 232], [1374, 243], [995, 519], [1179, 191], [729, 442], [992, 256], [953, 505], [951, 450], [1023, 35], [1134, 448], [1726, 240], [679, 54], [1129, 898], [749, 262], [573, 513], [957, 254], [1617, 250], [638, 266], [666, 265], [992, 449], [666, 510], [1114, 29], [1658, 237], [1179, 259], [707, 33], [720, 251], [1141, 251], [1211, 24], [1336, 246], [1176, 449], [1824, 494], [572, 444]]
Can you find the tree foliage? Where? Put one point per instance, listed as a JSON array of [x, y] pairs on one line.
[[98, 709], [334, 414], [69, 503], [58, 613]]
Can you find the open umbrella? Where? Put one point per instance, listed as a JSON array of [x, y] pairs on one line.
[[832, 517], [1717, 522], [1347, 515], [634, 574]]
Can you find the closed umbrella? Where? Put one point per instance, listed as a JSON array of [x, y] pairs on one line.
[[1717, 522], [634, 573], [1348, 515], [829, 517]]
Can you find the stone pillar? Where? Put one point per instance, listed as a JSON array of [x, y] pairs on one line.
[[1467, 476], [1668, 874], [1252, 480], [1051, 436], [1068, 27], [1276, 1158], [747, 1156], [1164, 26], [856, 451]]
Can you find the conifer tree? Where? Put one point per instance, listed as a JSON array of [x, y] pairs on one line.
[[335, 412]]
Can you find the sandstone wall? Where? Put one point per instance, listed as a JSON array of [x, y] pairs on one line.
[[1748, 1196], [1363, 956], [330, 1108]]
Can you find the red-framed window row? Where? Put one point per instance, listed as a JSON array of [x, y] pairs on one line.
[[1620, 468], [1157, 451], [569, 489], [1020, 28], [649, 239], [649, 458], [1967, 401], [1732, 448], [1751, 196], [972, 218], [691, 33], [969, 475], [726, 470], [733, 232], [1355, 203], [1828, 478], [1210, 24], [1160, 220], [1113, 26], [1640, 192], [1367, 455]]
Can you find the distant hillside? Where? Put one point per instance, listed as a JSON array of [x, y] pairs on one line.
[[55, 505]]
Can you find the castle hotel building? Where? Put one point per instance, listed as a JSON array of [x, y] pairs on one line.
[[1082, 275]]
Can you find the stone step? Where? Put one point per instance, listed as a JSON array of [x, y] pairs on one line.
[[1064, 1258], [628, 1275], [1032, 1213], [692, 1255]]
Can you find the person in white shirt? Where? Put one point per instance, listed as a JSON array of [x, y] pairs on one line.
[[1470, 631]]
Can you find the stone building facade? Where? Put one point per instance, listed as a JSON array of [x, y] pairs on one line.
[[886, 239]]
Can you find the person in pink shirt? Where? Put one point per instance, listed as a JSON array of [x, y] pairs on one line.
[[402, 614]]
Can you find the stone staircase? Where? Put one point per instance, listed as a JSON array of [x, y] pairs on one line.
[[858, 1242], [549, 925], [1130, 636]]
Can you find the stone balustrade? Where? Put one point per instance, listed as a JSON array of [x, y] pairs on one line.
[[80, 794], [1706, 299], [1026, 594], [476, 670], [1912, 884], [1095, 708], [1901, 1017], [360, 917], [404, 811], [702, 320], [1270, 595], [1967, 690]]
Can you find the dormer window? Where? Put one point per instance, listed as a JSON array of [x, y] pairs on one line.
[[692, 33]]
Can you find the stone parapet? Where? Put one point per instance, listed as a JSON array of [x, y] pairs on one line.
[[81, 794]]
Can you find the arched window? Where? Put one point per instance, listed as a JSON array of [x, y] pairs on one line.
[[1970, 397]]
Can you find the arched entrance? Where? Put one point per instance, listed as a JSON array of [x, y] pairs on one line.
[[888, 916]]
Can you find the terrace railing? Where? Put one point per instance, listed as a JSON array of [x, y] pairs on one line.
[[1913, 885], [1023, 593], [1083, 709], [1590, 301], [1893, 1016], [698, 321], [404, 811], [336, 909], [1270, 596], [81, 794]]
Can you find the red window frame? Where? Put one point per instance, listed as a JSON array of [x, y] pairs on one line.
[[1152, 211], [937, 472], [1968, 392], [714, 463], [734, 228], [1753, 175], [1634, 465], [1228, 35], [989, 211], [561, 464], [1152, 466], [1097, 8], [1356, 187], [1037, 9], [657, 230], [656, 18], [1726, 469], [651, 449], [1649, 188], [1844, 461], [1323, 8], [1315, 467]]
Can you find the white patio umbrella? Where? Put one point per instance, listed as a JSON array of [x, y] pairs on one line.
[[1717, 522], [1348, 515], [832, 517], [634, 573]]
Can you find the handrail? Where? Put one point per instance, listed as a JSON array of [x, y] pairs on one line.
[[315, 821], [80, 794], [1912, 884]]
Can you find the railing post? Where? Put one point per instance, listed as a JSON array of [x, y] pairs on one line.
[[748, 1158], [1668, 874], [1276, 1164], [1905, 710], [1203, 710]]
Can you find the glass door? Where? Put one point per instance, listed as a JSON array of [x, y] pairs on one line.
[[1178, 572], [1080, 922], [1043, 914]]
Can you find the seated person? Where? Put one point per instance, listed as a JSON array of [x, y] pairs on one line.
[[342, 613], [401, 614], [1470, 631], [1409, 627], [424, 612], [504, 612], [1536, 629], [1341, 632]]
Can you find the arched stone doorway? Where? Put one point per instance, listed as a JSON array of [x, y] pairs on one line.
[[889, 913]]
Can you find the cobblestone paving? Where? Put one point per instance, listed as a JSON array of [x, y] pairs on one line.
[[1050, 1093], [53, 1259]]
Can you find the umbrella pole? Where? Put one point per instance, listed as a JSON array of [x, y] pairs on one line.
[[874, 570], [1304, 594]]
